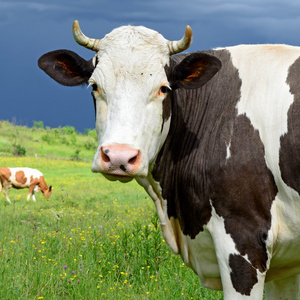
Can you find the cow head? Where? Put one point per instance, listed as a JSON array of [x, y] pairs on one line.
[[132, 85], [47, 193]]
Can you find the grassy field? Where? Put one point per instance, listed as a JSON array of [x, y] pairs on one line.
[[52, 143], [93, 239]]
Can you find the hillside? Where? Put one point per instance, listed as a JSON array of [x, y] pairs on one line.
[[53, 143]]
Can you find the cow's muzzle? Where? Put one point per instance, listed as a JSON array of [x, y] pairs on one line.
[[116, 161]]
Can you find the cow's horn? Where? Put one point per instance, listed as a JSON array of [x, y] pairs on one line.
[[81, 39], [183, 44]]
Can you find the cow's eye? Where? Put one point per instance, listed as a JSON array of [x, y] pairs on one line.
[[95, 87], [163, 90], [93, 84]]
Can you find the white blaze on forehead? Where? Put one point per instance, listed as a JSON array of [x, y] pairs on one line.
[[129, 55], [134, 37]]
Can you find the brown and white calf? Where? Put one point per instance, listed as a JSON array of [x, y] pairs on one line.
[[20, 178]]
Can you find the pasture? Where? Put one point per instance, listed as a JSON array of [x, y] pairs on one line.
[[93, 239]]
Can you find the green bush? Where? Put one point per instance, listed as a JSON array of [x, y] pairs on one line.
[[93, 133], [73, 138], [90, 144], [18, 150], [38, 124], [64, 141], [75, 155], [56, 132], [47, 138], [68, 130]]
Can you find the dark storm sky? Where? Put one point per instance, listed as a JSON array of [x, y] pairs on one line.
[[31, 28]]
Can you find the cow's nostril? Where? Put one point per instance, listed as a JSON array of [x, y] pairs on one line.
[[135, 159], [104, 155], [122, 167], [132, 160]]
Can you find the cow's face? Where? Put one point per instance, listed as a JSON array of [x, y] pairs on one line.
[[132, 92], [47, 193], [129, 90]]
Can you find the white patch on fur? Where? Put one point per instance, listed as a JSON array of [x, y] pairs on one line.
[[265, 95], [228, 154], [28, 172]]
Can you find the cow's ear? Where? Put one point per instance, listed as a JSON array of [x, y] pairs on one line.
[[66, 67], [195, 70]]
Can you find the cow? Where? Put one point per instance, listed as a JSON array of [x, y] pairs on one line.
[[213, 137], [20, 178]]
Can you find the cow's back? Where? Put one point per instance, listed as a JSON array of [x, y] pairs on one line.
[[22, 177]]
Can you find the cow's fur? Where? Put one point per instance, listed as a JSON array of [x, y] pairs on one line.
[[20, 178], [219, 154]]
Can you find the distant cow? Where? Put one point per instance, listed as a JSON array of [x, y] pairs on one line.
[[20, 178], [214, 138]]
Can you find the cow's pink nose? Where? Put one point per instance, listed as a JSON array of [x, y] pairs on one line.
[[120, 159]]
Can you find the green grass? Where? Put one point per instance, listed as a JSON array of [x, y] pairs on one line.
[[53, 143], [93, 239]]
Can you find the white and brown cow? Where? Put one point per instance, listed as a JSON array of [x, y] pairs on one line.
[[20, 178], [214, 138]]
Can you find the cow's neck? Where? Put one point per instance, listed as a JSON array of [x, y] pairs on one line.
[[43, 185], [200, 129]]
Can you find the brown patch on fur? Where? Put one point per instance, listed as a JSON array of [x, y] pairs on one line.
[[20, 177], [4, 174]]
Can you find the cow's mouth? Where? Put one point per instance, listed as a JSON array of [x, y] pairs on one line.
[[121, 178]]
